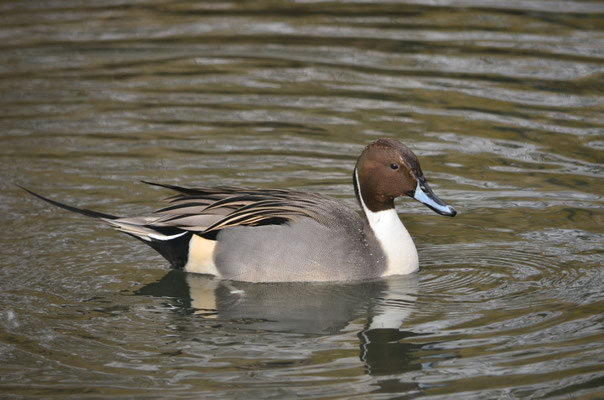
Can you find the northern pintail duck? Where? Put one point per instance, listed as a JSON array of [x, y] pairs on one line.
[[280, 235]]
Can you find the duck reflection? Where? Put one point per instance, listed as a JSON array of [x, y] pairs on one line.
[[306, 308]]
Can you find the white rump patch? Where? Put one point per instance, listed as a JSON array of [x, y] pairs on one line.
[[201, 256]]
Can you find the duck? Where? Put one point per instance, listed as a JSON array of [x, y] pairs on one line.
[[283, 235]]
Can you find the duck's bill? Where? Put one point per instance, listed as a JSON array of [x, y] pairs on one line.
[[424, 195]]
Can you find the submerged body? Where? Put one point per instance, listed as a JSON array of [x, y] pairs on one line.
[[284, 235], [344, 248], [305, 250]]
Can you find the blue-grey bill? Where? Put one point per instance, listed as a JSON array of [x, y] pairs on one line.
[[424, 195]]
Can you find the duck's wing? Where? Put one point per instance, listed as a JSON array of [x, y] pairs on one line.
[[206, 211]]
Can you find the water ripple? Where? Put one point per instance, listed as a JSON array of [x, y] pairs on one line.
[[500, 100]]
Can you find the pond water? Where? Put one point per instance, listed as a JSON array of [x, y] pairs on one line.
[[502, 102]]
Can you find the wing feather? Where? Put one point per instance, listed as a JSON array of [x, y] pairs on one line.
[[210, 209]]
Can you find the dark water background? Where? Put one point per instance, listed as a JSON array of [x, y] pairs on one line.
[[502, 100]]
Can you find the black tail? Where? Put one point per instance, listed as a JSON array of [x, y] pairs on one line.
[[176, 250]]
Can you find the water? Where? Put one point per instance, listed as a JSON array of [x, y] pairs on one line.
[[502, 101]]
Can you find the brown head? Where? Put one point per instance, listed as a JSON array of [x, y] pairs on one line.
[[388, 169]]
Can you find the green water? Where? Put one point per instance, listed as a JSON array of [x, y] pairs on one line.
[[501, 101]]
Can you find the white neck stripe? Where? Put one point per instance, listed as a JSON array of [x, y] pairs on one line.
[[400, 251]]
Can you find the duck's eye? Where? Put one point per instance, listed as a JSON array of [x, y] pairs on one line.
[[394, 166]]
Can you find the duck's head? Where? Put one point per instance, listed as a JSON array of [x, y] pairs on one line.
[[388, 169]]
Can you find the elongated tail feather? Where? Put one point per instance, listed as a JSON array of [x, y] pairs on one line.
[[83, 211], [171, 243]]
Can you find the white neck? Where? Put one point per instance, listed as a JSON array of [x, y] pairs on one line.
[[400, 251]]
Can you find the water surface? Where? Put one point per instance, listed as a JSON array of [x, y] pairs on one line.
[[502, 102]]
